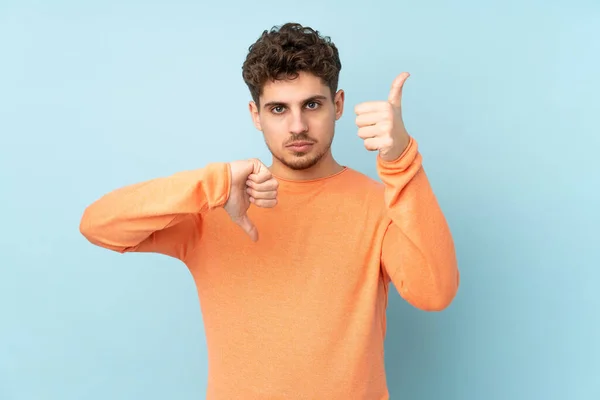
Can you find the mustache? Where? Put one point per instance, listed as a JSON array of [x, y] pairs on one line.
[[300, 137]]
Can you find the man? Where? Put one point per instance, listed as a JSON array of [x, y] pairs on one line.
[[292, 262]]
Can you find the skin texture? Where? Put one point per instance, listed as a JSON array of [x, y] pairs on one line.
[[380, 123], [251, 182], [302, 111]]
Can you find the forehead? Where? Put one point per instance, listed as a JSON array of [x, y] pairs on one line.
[[294, 90]]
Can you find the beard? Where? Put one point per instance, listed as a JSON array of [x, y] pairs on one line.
[[298, 161]]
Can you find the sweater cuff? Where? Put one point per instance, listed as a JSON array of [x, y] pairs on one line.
[[217, 184], [404, 161]]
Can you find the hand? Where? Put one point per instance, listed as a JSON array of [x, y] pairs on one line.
[[251, 182], [380, 123]]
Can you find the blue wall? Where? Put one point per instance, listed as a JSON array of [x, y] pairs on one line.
[[503, 99]]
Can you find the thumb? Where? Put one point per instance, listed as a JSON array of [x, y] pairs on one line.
[[395, 97], [257, 166], [260, 173], [246, 224]]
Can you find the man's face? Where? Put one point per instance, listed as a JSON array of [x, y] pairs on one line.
[[297, 118]]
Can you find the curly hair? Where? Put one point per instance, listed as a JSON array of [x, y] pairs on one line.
[[283, 52]]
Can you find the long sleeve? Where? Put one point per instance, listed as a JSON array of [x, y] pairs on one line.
[[162, 215], [418, 252]]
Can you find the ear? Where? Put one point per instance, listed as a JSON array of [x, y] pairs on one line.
[[253, 108], [338, 101]]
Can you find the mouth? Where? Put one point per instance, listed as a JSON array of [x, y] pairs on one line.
[[300, 146]]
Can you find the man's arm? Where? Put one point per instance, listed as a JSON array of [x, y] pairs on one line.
[[418, 251], [162, 215]]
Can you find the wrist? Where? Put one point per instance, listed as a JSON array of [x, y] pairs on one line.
[[397, 152]]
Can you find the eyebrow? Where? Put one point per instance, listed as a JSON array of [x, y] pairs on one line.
[[308, 100]]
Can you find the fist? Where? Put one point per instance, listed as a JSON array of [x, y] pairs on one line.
[[251, 183], [380, 123]]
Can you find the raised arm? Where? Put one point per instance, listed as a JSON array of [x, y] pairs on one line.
[[162, 215], [418, 252]]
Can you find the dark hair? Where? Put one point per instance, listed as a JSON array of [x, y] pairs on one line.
[[283, 52]]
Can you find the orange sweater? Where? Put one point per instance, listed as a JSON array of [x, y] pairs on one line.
[[300, 314]]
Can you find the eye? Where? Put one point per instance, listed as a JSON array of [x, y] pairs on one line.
[[277, 109], [312, 105]]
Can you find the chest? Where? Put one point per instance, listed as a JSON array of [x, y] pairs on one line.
[[299, 247]]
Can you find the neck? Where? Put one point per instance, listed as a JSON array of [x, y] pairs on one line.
[[325, 167]]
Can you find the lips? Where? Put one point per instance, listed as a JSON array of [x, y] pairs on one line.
[[300, 146], [300, 143]]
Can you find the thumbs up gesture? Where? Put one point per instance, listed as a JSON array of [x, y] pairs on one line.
[[251, 183], [380, 123]]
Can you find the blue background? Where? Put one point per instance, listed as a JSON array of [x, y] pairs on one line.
[[503, 100]]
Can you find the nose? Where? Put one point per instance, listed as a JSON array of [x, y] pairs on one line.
[[298, 123]]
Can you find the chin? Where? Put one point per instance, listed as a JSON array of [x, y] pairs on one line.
[[300, 161], [301, 164]]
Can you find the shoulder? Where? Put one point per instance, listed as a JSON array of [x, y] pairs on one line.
[[362, 196], [357, 179], [358, 185]]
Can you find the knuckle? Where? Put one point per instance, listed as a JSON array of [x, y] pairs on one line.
[[271, 203]]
